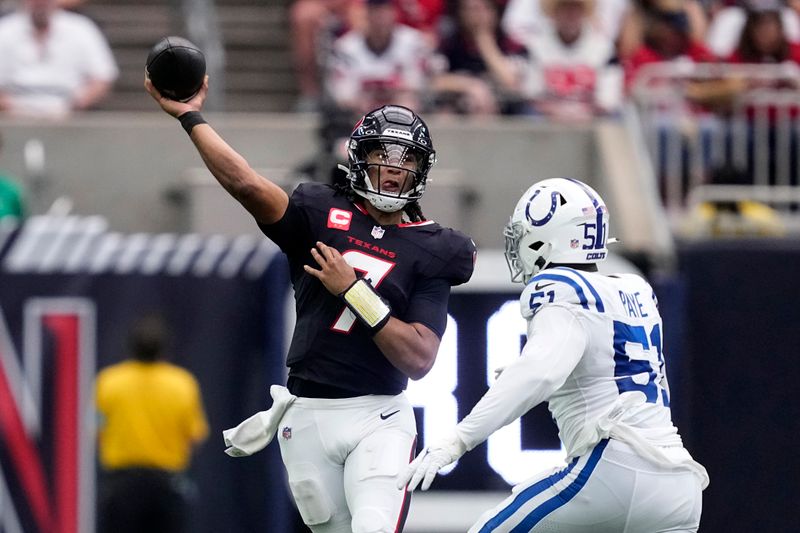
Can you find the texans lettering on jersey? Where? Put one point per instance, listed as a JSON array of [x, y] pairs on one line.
[[411, 265]]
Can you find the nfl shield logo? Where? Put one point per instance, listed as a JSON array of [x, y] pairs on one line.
[[574, 243], [377, 232], [286, 433]]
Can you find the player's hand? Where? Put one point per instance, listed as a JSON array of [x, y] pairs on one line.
[[333, 272], [173, 107], [429, 461]]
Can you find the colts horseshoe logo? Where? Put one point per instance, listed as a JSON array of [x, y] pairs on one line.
[[548, 216]]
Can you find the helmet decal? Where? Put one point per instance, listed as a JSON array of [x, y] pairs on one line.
[[554, 197], [599, 209]]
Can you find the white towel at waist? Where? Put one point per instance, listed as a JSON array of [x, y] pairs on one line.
[[256, 432]]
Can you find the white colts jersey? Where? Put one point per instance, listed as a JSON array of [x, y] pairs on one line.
[[619, 386], [594, 353]]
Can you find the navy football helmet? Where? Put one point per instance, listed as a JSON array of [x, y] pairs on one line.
[[390, 153]]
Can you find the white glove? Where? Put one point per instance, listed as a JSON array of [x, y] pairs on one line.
[[429, 461]]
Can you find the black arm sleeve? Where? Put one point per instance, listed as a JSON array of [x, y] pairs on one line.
[[428, 304]]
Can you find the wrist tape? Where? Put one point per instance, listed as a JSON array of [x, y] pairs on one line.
[[190, 119], [372, 310]]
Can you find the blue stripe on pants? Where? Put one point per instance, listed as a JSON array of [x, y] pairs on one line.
[[540, 486]]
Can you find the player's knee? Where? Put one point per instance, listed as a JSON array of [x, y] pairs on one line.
[[371, 520], [313, 502]]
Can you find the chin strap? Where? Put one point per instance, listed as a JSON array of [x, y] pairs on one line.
[[362, 299]]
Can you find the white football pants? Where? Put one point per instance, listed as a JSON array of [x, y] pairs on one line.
[[343, 457], [609, 490]]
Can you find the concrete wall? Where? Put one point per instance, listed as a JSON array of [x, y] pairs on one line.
[[123, 166]]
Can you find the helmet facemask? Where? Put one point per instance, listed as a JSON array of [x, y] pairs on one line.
[[389, 173], [525, 256]]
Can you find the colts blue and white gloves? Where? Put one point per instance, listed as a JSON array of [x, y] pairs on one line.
[[429, 461]]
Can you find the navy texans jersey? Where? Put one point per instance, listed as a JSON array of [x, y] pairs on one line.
[[411, 265]]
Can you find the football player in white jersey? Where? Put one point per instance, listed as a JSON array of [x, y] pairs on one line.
[[594, 354]]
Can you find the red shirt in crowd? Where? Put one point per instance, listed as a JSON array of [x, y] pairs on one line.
[[696, 52], [420, 14]]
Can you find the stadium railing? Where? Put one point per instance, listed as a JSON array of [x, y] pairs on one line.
[[699, 118]]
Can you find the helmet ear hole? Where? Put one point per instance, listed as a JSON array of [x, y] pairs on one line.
[[536, 245], [562, 199]]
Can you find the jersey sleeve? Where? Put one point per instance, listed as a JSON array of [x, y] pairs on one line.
[[428, 304], [562, 286], [293, 232], [457, 264], [555, 345]]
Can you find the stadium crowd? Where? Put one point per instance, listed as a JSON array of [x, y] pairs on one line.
[[561, 59], [555, 60]]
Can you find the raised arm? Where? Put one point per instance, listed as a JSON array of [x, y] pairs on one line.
[[556, 341], [262, 198]]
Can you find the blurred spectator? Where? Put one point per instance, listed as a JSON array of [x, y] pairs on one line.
[[572, 73], [315, 24], [54, 61], [423, 15], [386, 62], [668, 37], [151, 416], [681, 123], [312, 23], [644, 13], [764, 41], [725, 30], [11, 203], [482, 63], [522, 19], [742, 218], [764, 38]]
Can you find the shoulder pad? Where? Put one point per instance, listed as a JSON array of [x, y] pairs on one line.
[[559, 285], [460, 261], [306, 193], [645, 287], [451, 253]]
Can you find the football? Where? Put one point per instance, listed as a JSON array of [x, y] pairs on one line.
[[176, 67]]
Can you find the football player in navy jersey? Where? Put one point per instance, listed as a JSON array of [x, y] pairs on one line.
[[594, 353], [372, 279]]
